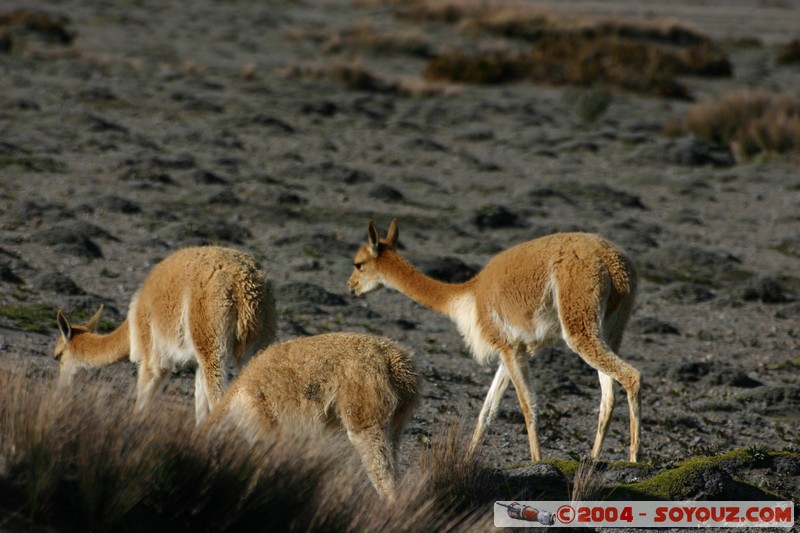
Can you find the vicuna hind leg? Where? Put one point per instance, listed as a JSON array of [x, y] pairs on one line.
[[587, 342], [212, 344], [398, 424], [149, 384], [377, 454]]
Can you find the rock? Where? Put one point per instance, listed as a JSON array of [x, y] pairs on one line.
[[768, 291], [7, 274], [206, 177], [496, 216], [689, 372], [33, 211], [302, 292], [688, 293], [98, 124], [70, 239], [787, 465], [449, 269], [425, 144], [386, 193], [715, 483], [339, 173], [56, 282], [596, 194], [689, 263], [97, 94], [273, 123], [652, 325], [207, 231], [324, 108], [694, 152], [772, 396], [789, 311], [733, 377], [531, 480], [290, 198], [116, 204]]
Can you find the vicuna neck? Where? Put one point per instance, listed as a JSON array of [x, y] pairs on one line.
[[404, 277], [99, 350]]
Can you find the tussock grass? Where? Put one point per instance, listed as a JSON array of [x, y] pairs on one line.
[[489, 67], [80, 459], [586, 484], [355, 76], [526, 21], [364, 36], [639, 56], [789, 53], [563, 60], [456, 475], [751, 122]]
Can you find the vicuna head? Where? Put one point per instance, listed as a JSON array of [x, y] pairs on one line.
[[68, 349], [368, 274]]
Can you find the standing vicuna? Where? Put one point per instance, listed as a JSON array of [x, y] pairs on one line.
[[365, 384], [208, 305], [575, 286]]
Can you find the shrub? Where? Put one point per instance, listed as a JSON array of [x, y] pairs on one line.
[[789, 53], [483, 67], [80, 459], [562, 59], [355, 76], [751, 122]]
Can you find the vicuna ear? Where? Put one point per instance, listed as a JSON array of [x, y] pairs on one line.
[[95, 319], [374, 240], [393, 233], [63, 325]]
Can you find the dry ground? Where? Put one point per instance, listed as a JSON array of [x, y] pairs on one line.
[[161, 126]]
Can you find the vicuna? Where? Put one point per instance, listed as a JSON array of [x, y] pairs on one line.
[[209, 306], [365, 384], [574, 286]]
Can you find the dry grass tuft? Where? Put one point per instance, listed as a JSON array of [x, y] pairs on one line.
[[586, 485], [355, 76], [750, 122], [565, 60], [456, 475], [639, 56], [526, 21], [484, 67], [789, 53], [364, 36], [80, 459]]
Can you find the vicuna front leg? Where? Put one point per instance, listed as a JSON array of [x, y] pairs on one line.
[[490, 406]]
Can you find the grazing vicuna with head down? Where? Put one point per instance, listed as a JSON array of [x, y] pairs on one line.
[[209, 306], [365, 384], [575, 286]]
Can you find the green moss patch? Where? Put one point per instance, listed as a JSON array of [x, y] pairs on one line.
[[34, 318], [681, 482], [40, 318]]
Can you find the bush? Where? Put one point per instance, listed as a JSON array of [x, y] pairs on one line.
[[750, 122], [80, 459], [789, 53]]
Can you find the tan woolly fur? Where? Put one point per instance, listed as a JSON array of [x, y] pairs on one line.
[[577, 287], [365, 384], [207, 306]]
